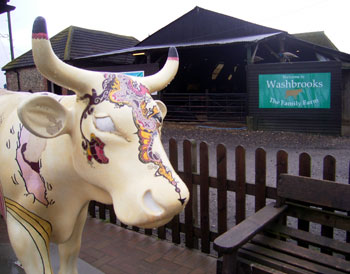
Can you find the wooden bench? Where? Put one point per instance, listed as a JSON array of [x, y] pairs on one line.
[[307, 230]]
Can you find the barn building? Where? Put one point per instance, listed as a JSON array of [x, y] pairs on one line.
[[236, 71]]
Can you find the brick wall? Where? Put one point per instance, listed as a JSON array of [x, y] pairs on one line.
[[11, 80], [29, 79]]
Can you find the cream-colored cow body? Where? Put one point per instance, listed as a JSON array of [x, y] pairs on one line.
[[60, 152]]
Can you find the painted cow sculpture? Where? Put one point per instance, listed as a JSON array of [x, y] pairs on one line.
[[60, 152]]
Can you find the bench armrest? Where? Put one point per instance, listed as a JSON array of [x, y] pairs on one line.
[[244, 231]]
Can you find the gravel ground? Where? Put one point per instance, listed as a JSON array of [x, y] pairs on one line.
[[318, 146]]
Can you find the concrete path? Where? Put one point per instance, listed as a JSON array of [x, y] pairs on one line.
[[110, 249]]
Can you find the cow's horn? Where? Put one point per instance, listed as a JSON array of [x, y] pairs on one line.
[[162, 78], [52, 67]]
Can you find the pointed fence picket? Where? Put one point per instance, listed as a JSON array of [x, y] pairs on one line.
[[185, 228]]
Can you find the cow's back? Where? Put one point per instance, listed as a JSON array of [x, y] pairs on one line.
[[9, 101]]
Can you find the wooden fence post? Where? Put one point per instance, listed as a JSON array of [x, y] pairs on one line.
[[187, 160], [102, 211], [112, 216], [304, 170], [204, 197], [282, 163], [195, 206], [282, 166], [92, 209], [175, 223], [260, 179], [329, 165], [221, 160], [241, 181]]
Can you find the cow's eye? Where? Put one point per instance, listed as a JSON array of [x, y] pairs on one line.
[[105, 124]]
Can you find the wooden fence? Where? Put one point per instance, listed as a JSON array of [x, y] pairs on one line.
[[196, 232]]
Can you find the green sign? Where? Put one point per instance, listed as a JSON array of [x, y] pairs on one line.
[[135, 73], [298, 90]]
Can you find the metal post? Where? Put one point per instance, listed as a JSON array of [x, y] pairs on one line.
[[10, 35]]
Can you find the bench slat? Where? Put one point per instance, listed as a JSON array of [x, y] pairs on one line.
[[282, 261], [246, 265], [316, 240], [249, 258], [304, 253], [310, 190], [319, 216]]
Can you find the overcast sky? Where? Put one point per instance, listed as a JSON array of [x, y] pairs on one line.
[[140, 18]]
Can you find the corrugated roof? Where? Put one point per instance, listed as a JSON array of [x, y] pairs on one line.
[[338, 55], [316, 37], [74, 42]]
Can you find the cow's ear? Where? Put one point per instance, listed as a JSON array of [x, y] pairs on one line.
[[162, 107], [43, 116]]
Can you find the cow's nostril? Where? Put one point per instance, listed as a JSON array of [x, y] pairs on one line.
[[151, 204]]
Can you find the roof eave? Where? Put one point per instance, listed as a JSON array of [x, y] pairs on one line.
[[321, 49], [246, 39]]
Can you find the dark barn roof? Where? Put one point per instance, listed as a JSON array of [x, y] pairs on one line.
[[201, 25], [74, 42]]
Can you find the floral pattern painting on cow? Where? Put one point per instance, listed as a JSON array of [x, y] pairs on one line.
[[103, 144]]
